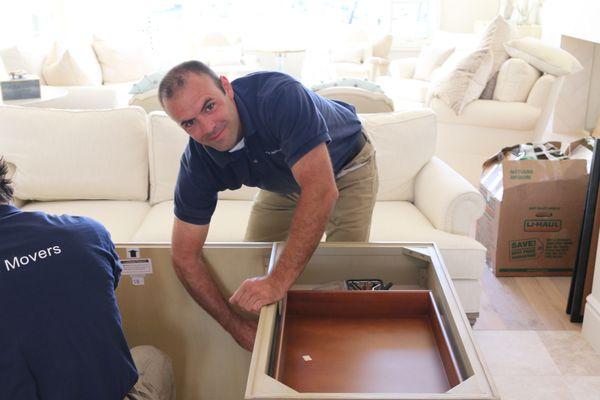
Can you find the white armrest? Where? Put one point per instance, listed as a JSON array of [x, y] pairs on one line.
[[538, 96], [447, 199], [403, 68]]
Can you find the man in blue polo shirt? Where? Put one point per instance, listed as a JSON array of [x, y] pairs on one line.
[[308, 155], [60, 328]]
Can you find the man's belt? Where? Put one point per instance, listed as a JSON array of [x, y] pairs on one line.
[[356, 148]]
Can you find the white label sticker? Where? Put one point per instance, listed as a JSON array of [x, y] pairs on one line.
[[307, 358], [137, 266], [137, 280], [132, 252]]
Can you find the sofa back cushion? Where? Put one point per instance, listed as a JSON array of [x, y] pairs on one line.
[[76, 155], [72, 65], [404, 142], [515, 80], [167, 142], [28, 56], [3, 72], [123, 61]]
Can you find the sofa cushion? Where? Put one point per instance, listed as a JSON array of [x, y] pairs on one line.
[[515, 80], [123, 61], [462, 78], [83, 155], [412, 90], [499, 32], [391, 134], [489, 113], [550, 59], [72, 66], [121, 218], [430, 58], [464, 257], [228, 223], [167, 142], [402, 221]]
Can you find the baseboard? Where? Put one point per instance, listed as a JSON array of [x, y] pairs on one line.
[[591, 322]]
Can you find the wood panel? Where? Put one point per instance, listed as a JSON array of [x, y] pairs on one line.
[[364, 342]]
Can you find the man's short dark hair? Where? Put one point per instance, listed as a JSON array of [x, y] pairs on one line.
[[175, 79], [6, 190]]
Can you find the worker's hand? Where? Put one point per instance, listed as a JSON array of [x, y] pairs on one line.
[[244, 332], [254, 293]]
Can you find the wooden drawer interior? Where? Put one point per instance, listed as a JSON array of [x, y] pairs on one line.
[[363, 342]]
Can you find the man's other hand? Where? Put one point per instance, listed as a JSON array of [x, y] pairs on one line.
[[254, 293]]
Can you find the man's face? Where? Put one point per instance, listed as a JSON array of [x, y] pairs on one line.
[[207, 114]]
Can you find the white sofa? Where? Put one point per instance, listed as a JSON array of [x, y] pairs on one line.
[[484, 126], [119, 166]]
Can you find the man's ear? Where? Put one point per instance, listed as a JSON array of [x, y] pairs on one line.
[[226, 86]]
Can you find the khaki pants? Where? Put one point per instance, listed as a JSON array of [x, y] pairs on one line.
[[155, 381], [350, 220]]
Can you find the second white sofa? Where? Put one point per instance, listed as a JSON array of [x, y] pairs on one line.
[[120, 166]]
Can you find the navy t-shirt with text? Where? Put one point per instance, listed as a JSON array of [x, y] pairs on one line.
[[60, 327]]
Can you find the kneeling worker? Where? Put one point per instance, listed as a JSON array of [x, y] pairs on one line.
[[60, 328], [308, 154]]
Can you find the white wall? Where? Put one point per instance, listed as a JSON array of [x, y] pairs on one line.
[[459, 15]]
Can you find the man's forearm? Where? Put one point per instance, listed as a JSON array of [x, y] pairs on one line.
[[307, 227], [201, 286]]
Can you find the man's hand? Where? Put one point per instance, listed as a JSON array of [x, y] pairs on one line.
[[244, 332], [254, 293]]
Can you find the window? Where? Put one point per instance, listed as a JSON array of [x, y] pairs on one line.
[[412, 21]]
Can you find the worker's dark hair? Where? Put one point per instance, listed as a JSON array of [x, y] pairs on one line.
[[175, 79], [6, 190]]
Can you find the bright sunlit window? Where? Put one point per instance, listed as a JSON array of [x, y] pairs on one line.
[[169, 21]]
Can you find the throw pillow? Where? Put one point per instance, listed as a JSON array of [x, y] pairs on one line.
[[515, 80], [73, 66], [488, 91], [498, 32], [430, 58], [148, 82], [28, 56], [463, 81], [123, 61], [546, 58]]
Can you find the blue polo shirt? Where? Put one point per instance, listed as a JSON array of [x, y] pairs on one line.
[[60, 328], [281, 121]]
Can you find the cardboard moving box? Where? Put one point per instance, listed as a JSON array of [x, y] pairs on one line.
[[535, 197]]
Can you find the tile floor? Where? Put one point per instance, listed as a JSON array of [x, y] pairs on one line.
[[536, 365]]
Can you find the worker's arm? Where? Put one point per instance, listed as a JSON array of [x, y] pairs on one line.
[[318, 195], [187, 243]]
